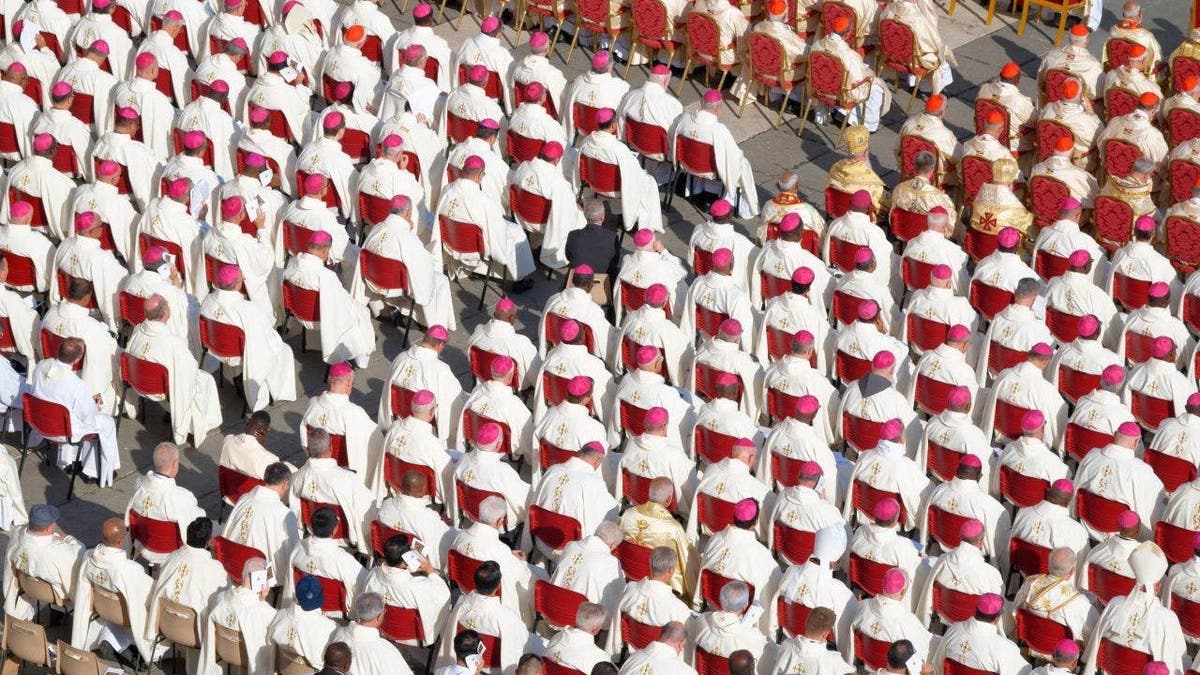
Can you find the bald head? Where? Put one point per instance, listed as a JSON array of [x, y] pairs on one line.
[[414, 484], [112, 532], [156, 308]]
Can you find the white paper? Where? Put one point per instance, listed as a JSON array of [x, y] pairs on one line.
[[413, 560], [914, 664], [289, 74], [266, 177], [201, 190], [752, 615], [252, 209], [29, 36], [473, 661], [164, 270], [259, 580]]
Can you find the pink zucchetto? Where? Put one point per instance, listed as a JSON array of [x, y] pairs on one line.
[[506, 305], [333, 120], [891, 430], [85, 221], [477, 74], [320, 238], [1063, 485], [959, 396], [1009, 237], [790, 222], [487, 435], [15, 67], [803, 337], [1162, 346], [745, 510], [42, 142], [958, 333], [422, 10], [569, 330], [971, 528], [193, 140], [656, 416], [277, 58], [883, 359], [1069, 204], [720, 208], [489, 123], [438, 332], [722, 257], [1129, 430], [810, 469], [601, 60], [594, 446], [473, 163], [490, 24], [743, 443], [1080, 258], [61, 90], [145, 60], [539, 40], [1032, 420], [989, 604], [867, 311], [803, 276], [726, 380], [605, 115], [1156, 668], [894, 581], [127, 113], [1144, 224], [100, 46], [502, 366], [970, 461], [642, 237], [712, 96], [731, 327], [1193, 400], [861, 200], [178, 189], [579, 385], [584, 270], [1128, 519], [1088, 325], [339, 370], [173, 15], [231, 207], [107, 168], [259, 115], [20, 210], [342, 89], [656, 294], [423, 397], [552, 151], [400, 203], [886, 509], [1042, 349], [1112, 375], [660, 69], [153, 255], [1159, 290], [414, 53], [863, 255], [1067, 647], [228, 275], [941, 272], [534, 91], [808, 404], [646, 354], [392, 141]]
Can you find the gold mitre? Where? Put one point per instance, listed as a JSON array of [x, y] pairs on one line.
[[1004, 170], [857, 138]]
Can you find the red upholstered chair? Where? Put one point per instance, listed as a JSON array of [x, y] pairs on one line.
[[841, 254], [932, 396], [944, 527], [555, 604], [1114, 222], [850, 368], [648, 140], [828, 84], [916, 273], [899, 52], [637, 634], [711, 584], [634, 559], [704, 46], [1175, 541], [472, 421], [603, 178], [302, 303], [989, 300], [926, 333], [53, 421], [1182, 175], [1188, 612], [1116, 51], [1074, 384], [233, 556], [832, 11], [1048, 265], [951, 605], [1000, 358], [22, 276], [906, 225], [1048, 132], [867, 574], [469, 498], [636, 489], [1182, 126], [794, 546], [1150, 411], [151, 534], [976, 171], [1079, 440], [708, 663], [712, 446], [1106, 584], [1131, 293], [769, 65], [952, 667], [773, 286], [466, 239], [595, 17], [872, 652], [1120, 101], [942, 462], [308, 507], [1007, 421], [1021, 490], [1117, 659], [481, 365], [837, 202], [380, 533], [334, 591], [865, 496], [458, 128], [910, 146], [394, 468], [1183, 243], [1138, 347], [1099, 512], [553, 529], [651, 30], [793, 616], [715, 514], [1063, 326], [522, 149], [1027, 558], [232, 484], [460, 569], [706, 381], [845, 307], [149, 380], [554, 324], [786, 470], [1173, 471], [861, 434], [1191, 306]]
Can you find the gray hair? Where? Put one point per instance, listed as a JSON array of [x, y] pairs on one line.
[[661, 490], [250, 567], [609, 533], [735, 597], [1144, 165], [788, 180], [662, 560], [492, 509], [1027, 288], [368, 606], [155, 307], [1061, 561], [673, 633], [925, 161], [594, 211], [318, 442], [165, 454], [590, 617]]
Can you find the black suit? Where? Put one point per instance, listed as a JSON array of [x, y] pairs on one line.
[[595, 246]]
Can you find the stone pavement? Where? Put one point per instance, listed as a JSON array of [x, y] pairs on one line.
[[980, 51]]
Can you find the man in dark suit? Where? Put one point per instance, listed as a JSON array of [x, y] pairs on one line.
[[337, 659], [594, 245]]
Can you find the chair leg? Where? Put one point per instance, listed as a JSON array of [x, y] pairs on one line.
[[441, 11], [574, 41], [721, 82], [409, 321], [633, 43], [71, 485], [557, 31], [687, 68], [804, 115], [912, 99], [521, 20], [1062, 23], [1024, 19], [787, 94], [950, 10], [992, 12]]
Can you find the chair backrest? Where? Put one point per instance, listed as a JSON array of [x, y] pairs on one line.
[[26, 640], [926, 333], [648, 140], [50, 342], [704, 37], [1048, 266], [178, 623], [1007, 420], [554, 324], [469, 498], [461, 237], [222, 340], [472, 421], [1099, 512], [865, 496], [550, 454], [867, 574], [916, 273], [1028, 558], [952, 667], [72, 661], [401, 624], [394, 468], [871, 651], [158, 536], [1079, 440], [989, 299], [976, 171], [1114, 222], [1119, 101], [232, 484], [604, 178], [384, 274], [334, 591], [910, 146], [50, 419], [842, 252], [460, 569], [147, 378], [945, 527], [1183, 243], [952, 605], [708, 663], [553, 529], [481, 366], [633, 419], [380, 533], [711, 445], [1001, 358], [1188, 612], [706, 380], [229, 646], [233, 556], [110, 605], [634, 559], [1119, 156], [1150, 411], [898, 46], [459, 128], [862, 434], [933, 396], [1106, 584], [695, 157], [1063, 326], [708, 321], [786, 470], [308, 507], [21, 272], [1117, 659], [942, 461], [37, 589], [1182, 126], [793, 545], [522, 148], [1175, 541], [1019, 489], [303, 303], [556, 604], [636, 633], [715, 514]]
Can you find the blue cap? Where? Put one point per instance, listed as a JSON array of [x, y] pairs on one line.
[[309, 594]]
